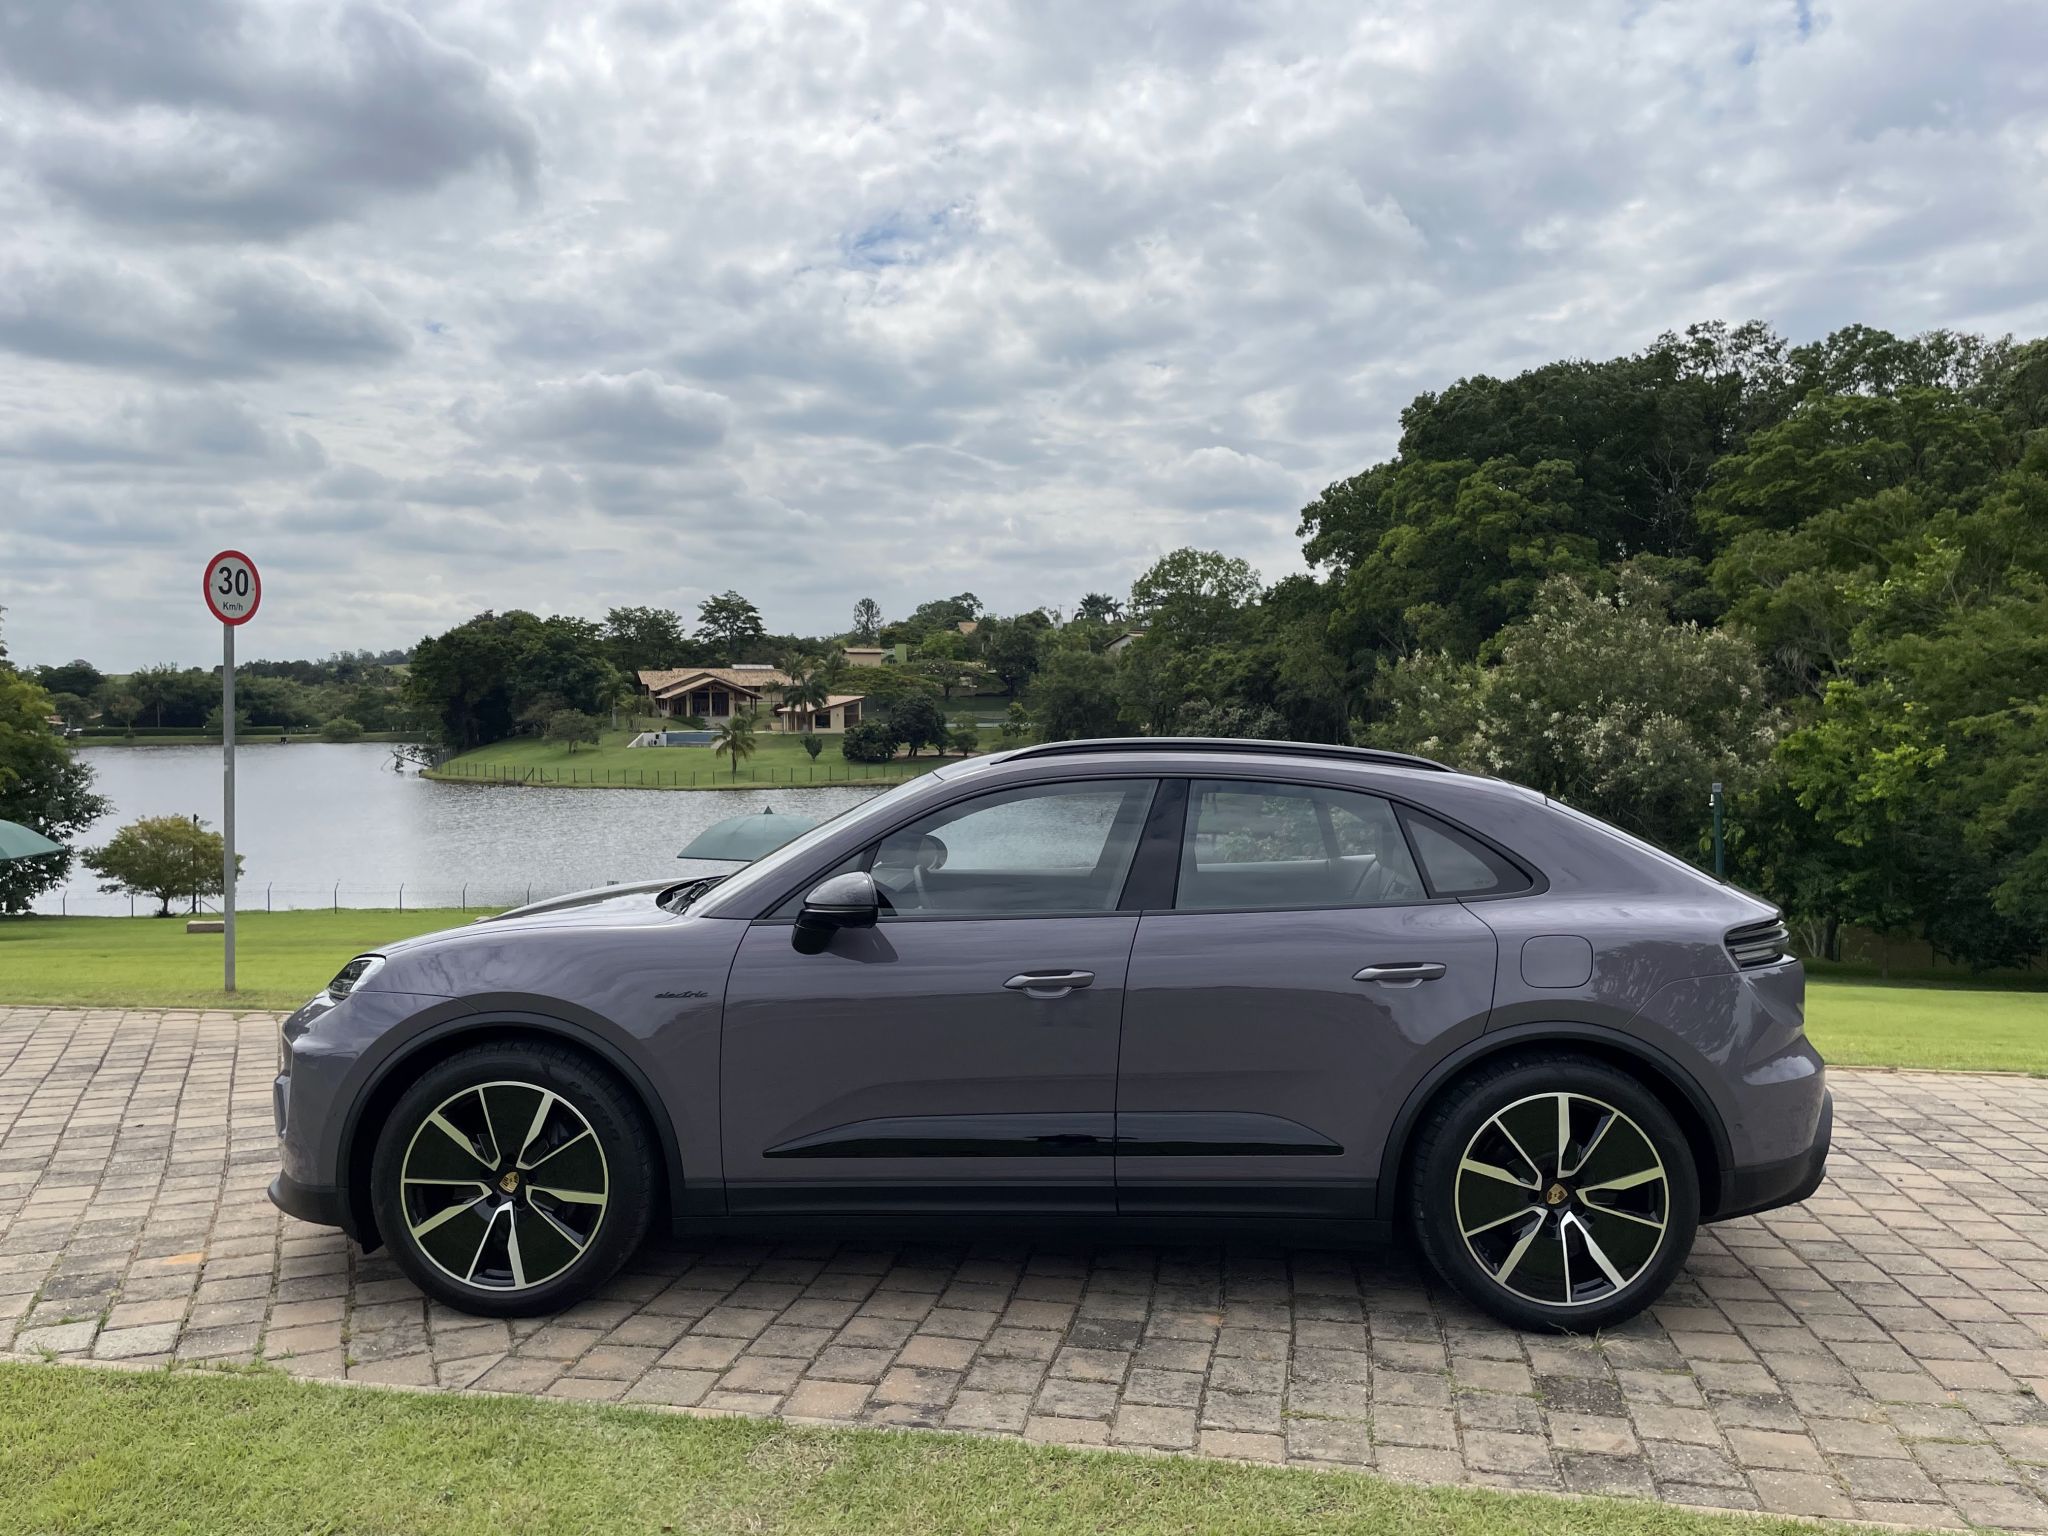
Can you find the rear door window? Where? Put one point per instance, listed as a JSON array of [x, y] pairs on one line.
[[1251, 845]]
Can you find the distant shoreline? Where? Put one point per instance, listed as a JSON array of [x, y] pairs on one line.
[[253, 738]]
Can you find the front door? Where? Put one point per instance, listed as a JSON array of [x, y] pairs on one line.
[[1275, 1018], [962, 1053]]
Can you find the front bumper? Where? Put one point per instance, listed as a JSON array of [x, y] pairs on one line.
[[1767, 1186], [319, 1204]]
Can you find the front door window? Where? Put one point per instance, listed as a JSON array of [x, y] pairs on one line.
[[1047, 849]]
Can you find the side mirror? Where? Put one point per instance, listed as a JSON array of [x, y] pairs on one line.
[[845, 901]]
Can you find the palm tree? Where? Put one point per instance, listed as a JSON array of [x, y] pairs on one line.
[[807, 692], [735, 740]]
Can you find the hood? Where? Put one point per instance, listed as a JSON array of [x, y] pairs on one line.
[[604, 906], [608, 906]]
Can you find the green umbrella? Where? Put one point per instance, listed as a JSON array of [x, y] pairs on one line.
[[18, 842]]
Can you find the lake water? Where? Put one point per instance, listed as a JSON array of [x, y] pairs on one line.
[[317, 824]]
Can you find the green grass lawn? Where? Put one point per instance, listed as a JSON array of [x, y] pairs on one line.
[[777, 759], [281, 958], [1929, 1025], [192, 1453]]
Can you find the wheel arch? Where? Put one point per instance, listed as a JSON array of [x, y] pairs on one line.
[[1675, 1087], [436, 1044]]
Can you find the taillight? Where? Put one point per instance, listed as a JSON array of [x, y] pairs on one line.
[[1755, 945]]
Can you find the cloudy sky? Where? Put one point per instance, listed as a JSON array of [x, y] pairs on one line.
[[468, 304]]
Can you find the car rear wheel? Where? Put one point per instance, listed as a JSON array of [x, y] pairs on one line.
[[513, 1179], [1554, 1192]]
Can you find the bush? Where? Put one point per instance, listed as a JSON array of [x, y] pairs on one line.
[[172, 858], [341, 728], [813, 745], [869, 742]]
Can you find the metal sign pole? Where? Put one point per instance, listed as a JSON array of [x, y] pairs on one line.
[[227, 812]]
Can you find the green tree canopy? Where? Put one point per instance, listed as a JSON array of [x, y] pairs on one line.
[[172, 858], [730, 624], [1194, 597], [1603, 702], [42, 786]]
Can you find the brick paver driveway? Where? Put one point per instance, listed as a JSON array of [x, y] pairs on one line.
[[1877, 1352]]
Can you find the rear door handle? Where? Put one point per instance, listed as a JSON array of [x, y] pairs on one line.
[[1400, 973], [1049, 983]]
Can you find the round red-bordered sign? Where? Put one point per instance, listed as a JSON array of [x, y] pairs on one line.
[[233, 589]]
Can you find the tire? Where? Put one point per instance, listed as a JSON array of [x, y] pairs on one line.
[[1572, 1238], [511, 1232]]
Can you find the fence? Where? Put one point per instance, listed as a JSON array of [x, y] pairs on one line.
[[681, 778], [277, 897]]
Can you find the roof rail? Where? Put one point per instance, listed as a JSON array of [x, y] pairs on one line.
[[1228, 744]]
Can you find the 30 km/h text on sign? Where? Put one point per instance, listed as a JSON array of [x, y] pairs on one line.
[[233, 591]]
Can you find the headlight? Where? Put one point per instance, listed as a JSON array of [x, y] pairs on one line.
[[353, 975]]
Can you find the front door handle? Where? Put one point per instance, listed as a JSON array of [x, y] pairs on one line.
[[1400, 973], [1049, 983]]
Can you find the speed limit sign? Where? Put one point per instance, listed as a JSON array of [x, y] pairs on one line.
[[233, 593], [233, 589]]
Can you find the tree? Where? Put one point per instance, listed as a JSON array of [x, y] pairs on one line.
[[173, 858], [867, 621], [807, 693], [942, 657], [649, 638], [813, 744], [730, 623], [871, 741], [1074, 696], [117, 703], [341, 728], [1016, 723], [153, 688], [964, 738], [1194, 597], [573, 726], [1098, 608], [71, 709], [77, 677], [1255, 722], [480, 681], [1010, 651], [735, 741], [915, 720], [1603, 702], [42, 786]]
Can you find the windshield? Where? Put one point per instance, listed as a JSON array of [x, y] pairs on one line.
[[763, 877]]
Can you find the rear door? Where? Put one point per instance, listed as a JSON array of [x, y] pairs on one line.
[[1277, 1014]]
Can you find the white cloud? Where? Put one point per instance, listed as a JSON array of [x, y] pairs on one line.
[[574, 306]]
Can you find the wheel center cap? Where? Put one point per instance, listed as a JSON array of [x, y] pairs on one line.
[[1557, 1194], [510, 1182]]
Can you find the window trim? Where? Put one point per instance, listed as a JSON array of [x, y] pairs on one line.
[[1539, 883]]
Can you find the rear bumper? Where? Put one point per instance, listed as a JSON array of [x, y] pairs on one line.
[[319, 1204], [1767, 1186]]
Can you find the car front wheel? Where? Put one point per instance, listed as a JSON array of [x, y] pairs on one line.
[[513, 1179], [1554, 1192]]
